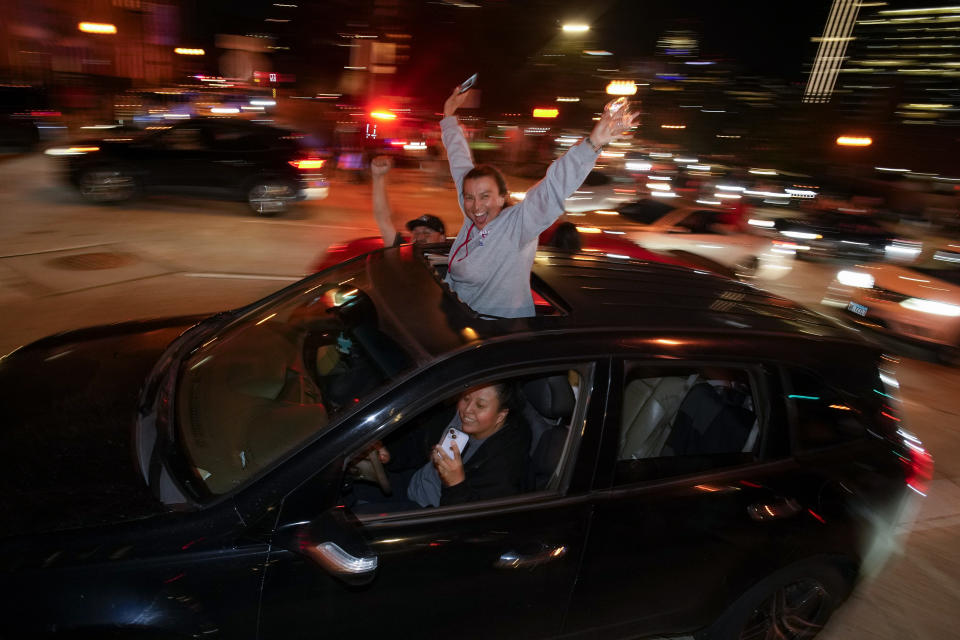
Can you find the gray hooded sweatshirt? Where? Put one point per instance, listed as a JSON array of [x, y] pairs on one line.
[[490, 269]]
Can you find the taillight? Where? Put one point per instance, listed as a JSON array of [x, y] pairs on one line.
[[309, 163], [918, 463]]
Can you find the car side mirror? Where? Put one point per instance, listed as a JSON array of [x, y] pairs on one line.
[[333, 541]]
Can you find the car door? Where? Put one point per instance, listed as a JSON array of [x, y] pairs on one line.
[[177, 160], [697, 231], [476, 570], [674, 538], [237, 152]]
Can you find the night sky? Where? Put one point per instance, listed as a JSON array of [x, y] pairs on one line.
[[501, 39]]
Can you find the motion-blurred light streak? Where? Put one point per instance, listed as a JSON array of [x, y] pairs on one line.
[[830, 53]]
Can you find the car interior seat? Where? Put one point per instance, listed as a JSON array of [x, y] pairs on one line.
[[548, 410], [649, 405], [710, 420]]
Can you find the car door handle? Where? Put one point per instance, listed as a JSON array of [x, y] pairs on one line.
[[776, 509], [515, 560]]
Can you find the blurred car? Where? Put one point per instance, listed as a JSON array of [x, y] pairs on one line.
[[712, 232], [704, 458], [601, 190], [920, 301], [26, 118], [838, 234], [264, 166], [595, 243]]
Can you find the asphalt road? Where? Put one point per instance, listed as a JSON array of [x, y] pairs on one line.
[[65, 264]]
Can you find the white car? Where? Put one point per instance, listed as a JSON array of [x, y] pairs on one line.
[[920, 301], [601, 190], [702, 230]]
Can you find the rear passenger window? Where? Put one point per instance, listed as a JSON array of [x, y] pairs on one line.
[[681, 420], [823, 416]]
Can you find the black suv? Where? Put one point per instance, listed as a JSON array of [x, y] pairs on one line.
[[234, 159], [700, 457]]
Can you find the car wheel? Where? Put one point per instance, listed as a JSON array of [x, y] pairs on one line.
[[747, 268], [107, 185], [792, 604], [270, 197]]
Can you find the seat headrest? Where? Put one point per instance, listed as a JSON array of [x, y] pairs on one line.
[[552, 396]]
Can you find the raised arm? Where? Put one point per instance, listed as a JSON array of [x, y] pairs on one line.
[[458, 151], [544, 202], [382, 213]]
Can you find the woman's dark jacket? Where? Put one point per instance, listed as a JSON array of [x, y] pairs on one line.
[[497, 469]]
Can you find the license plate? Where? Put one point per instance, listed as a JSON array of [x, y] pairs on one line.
[[858, 309]]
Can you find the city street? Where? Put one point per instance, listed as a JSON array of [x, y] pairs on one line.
[[66, 264]]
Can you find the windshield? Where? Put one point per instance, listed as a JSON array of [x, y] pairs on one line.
[[943, 264], [285, 373]]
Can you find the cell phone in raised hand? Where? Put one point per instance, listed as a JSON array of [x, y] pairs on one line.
[[467, 84], [451, 435]]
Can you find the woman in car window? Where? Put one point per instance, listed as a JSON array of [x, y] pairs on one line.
[[491, 464], [491, 257]]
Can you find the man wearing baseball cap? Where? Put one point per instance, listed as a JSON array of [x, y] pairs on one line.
[[424, 230]]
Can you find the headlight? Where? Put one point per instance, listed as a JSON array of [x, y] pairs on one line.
[[802, 235], [856, 279], [931, 306], [905, 249], [70, 151]]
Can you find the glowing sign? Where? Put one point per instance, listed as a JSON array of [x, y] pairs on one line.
[[96, 27], [622, 88], [854, 141], [545, 113]]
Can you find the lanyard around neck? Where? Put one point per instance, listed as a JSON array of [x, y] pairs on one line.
[[457, 250]]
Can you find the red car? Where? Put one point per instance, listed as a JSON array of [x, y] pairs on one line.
[[592, 240]]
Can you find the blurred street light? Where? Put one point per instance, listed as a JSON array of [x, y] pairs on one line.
[[575, 28], [622, 88], [383, 115], [96, 27], [184, 51], [854, 141]]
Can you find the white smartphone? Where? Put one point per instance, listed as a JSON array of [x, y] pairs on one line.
[[451, 435], [467, 84]]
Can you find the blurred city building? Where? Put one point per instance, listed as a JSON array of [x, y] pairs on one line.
[[889, 70]]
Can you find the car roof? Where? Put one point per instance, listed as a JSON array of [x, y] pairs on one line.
[[236, 123], [589, 293]]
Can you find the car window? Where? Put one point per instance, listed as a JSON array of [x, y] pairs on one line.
[[596, 179], [700, 221], [678, 420], [183, 139], [823, 415], [644, 211], [285, 373], [238, 139], [528, 453]]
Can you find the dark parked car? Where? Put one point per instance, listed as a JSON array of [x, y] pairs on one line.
[[264, 166], [837, 234], [704, 458], [26, 117]]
